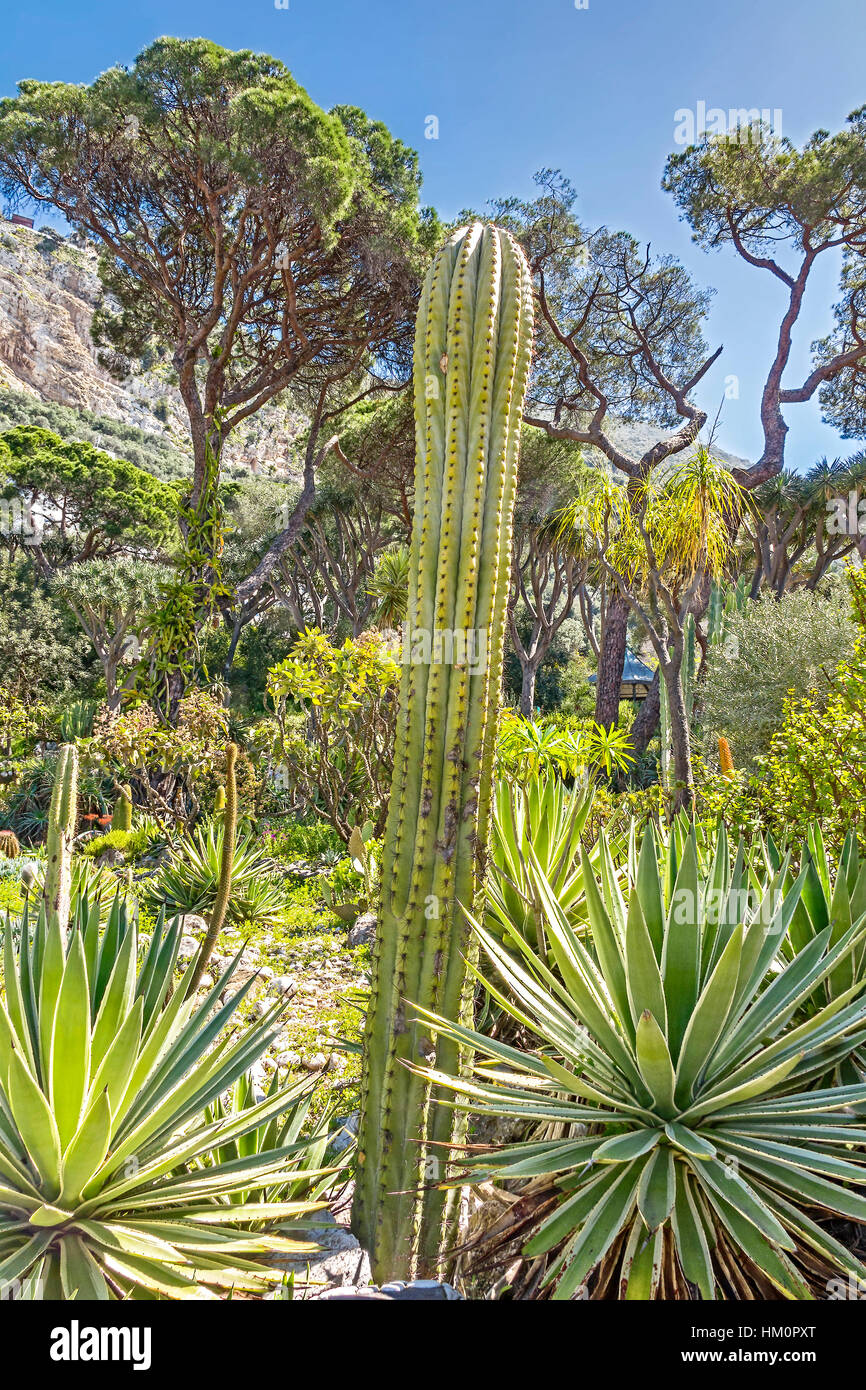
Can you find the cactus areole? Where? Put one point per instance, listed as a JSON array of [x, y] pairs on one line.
[[473, 346]]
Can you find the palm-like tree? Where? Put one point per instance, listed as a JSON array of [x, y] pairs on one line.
[[660, 541]]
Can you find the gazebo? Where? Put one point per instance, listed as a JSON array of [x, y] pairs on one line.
[[636, 678]]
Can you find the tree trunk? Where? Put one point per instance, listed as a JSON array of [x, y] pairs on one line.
[[647, 718], [611, 663], [237, 629], [683, 788], [527, 689]]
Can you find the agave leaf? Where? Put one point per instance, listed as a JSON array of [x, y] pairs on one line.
[[116, 999], [656, 1067], [657, 1188], [681, 955], [642, 1263], [649, 890], [709, 1017], [118, 1064], [644, 981], [693, 1248], [87, 1150], [599, 1231], [80, 1275], [622, 1148], [35, 1123], [695, 1145], [70, 1044], [762, 1251]]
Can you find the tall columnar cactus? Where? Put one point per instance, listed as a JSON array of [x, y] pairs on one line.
[[121, 818], [472, 352], [61, 829]]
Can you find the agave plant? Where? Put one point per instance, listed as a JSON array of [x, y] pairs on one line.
[[188, 882], [103, 1115], [685, 1139], [313, 1178], [540, 820], [830, 900], [106, 1076]]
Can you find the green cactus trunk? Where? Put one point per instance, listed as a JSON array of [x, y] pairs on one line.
[[58, 846], [121, 818], [224, 883], [472, 351]]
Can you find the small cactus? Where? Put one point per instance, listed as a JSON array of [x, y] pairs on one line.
[[58, 848], [9, 846], [219, 803], [726, 761], [122, 816], [230, 824]]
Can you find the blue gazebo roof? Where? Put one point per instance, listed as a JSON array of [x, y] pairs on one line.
[[633, 670]]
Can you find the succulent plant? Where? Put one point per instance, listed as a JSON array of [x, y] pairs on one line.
[[112, 1183], [695, 1143], [9, 846], [121, 818], [472, 350], [536, 822]]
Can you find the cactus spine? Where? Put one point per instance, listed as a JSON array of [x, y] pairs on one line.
[[58, 848], [472, 350], [121, 818]]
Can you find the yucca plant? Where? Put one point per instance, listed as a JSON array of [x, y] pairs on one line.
[[685, 1139]]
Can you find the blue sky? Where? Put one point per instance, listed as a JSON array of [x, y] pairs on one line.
[[520, 84]]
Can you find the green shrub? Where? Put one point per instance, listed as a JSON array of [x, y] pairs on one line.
[[131, 843], [292, 840], [815, 769], [773, 651], [338, 758]]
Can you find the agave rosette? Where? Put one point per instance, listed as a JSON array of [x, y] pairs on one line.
[[106, 1079], [692, 1142]]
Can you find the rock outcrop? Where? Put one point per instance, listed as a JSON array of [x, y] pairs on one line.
[[49, 290]]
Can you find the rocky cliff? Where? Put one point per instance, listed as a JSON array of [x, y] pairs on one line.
[[49, 289]]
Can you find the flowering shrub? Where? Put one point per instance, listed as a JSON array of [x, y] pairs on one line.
[[175, 769]]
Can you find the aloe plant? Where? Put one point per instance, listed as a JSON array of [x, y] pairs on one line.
[[695, 1143], [472, 349]]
